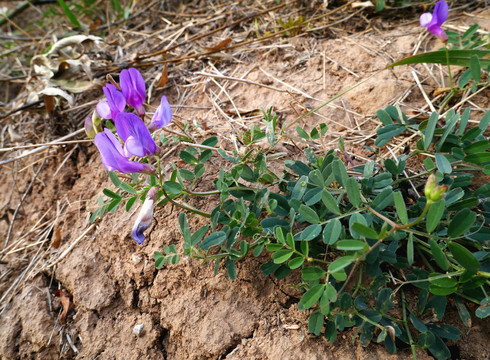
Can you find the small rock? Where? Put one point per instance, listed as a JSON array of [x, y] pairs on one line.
[[138, 329], [137, 257]]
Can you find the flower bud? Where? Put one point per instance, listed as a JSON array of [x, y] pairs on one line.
[[97, 121], [145, 216], [438, 192], [89, 127], [430, 185]]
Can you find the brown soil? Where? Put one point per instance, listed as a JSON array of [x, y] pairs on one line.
[[186, 311]]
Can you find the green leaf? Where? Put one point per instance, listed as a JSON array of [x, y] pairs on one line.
[[299, 188], [438, 303], [216, 238], [438, 255], [340, 264], [332, 231], [290, 241], [443, 164], [159, 259], [461, 223], [340, 172], [383, 199], [130, 202], [315, 323], [464, 79], [434, 214], [186, 174], [477, 147], [442, 291], [470, 32], [353, 192], [387, 132], [464, 314], [127, 188], [114, 178], [296, 262], [188, 157], [438, 348], [330, 202], [464, 257], [475, 68], [302, 133], [272, 222], [199, 234], [400, 206], [316, 177], [281, 256], [429, 164], [330, 292], [384, 117], [451, 120], [464, 121], [312, 296], [484, 122], [445, 331], [94, 215], [111, 194], [311, 232], [442, 280], [410, 255], [478, 158], [417, 324], [309, 214], [230, 268], [455, 57], [384, 302], [483, 310], [172, 187], [113, 205], [429, 131], [364, 231], [184, 229], [330, 332], [312, 273], [69, 14]]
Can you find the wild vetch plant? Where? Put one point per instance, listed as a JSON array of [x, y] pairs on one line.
[[365, 238]]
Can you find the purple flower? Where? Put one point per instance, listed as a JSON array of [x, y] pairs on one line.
[[434, 21], [111, 154], [114, 105], [133, 88], [145, 216], [162, 116], [136, 136]]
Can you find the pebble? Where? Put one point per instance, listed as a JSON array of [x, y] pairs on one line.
[[138, 328]]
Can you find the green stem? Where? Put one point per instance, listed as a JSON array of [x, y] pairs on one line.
[[412, 344], [185, 206], [216, 192], [366, 319], [359, 281]]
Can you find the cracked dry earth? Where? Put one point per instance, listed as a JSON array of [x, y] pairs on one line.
[[186, 311]]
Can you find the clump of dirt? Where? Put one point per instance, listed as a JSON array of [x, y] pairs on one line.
[[123, 307]]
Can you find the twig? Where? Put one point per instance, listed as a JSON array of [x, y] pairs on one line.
[[56, 142], [70, 248], [20, 204]]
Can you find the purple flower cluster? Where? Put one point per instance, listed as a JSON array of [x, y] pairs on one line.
[[434, 21], [130, 127]]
